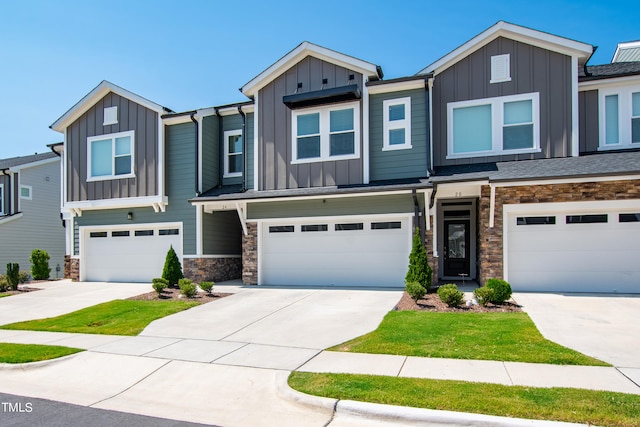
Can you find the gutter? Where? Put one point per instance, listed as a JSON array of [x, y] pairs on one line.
[[243, 188], [194, 120], [220, 147]]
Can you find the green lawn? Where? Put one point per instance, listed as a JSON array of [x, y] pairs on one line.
[[483, 336], [25, 353], [558, 404], [4, 295], [119, 317]]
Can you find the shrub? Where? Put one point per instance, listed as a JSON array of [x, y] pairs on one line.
[[450, 295], [159, 284], [40, 264], [3, 283], [207, 286], [187, 288], [419, 268], [172, 270], [483, 295], [23, 276], [501, 290], [415, 290], [13, 270]]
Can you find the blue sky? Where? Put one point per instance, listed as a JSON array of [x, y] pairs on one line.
[[193, 54]]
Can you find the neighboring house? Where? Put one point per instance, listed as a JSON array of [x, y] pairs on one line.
[[30, 211], [524, 160]]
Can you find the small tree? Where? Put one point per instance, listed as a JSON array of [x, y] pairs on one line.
[[13, 270], [419, 268], [172, 270], [40, 264]]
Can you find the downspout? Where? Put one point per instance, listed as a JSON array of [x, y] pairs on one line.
[[244, 149], [195, 121], [416, 213], [432, 202], [54, 151], [220, 149]]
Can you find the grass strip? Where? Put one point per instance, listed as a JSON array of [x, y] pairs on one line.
[[483, 336], [119, 317], [25, 353], [556, 404]]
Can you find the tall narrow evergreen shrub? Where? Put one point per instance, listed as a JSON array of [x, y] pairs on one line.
[[172, 270], [419, 268], [13, 271], [40, 264]]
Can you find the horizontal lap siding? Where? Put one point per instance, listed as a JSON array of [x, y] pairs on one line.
[[222, 233], [131, 116], [275, 139], [397, 164], [532, 70]]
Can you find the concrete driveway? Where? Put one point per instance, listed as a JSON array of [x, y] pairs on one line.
[[605, 326]]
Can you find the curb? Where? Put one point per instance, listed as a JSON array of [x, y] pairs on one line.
[[404, 414], [35, 365]]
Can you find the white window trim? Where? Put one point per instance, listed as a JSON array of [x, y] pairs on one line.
[[113, 137], [227, 134], [28, 187], [495, 61], [625, 112], [388, 125], [110, 116], [2, 197], [325, 141], [497, 123]]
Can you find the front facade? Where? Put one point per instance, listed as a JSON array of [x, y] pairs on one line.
[[29, 211], [510, 156]]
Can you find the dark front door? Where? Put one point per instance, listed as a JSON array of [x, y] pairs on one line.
[[456, 247]]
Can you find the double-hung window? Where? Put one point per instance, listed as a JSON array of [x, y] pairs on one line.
[[494, 126], [111, 156], [233, 153], [619, 118], [328, 133], [396, 119]]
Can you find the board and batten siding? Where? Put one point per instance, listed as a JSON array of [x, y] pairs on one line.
[[588, 120], [131, 116], [274, 153], [40, 226], [398, 164], [532, 70], [210, 152], [181, 186]]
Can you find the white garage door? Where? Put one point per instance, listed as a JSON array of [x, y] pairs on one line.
[[126, 254], [595, 250], [345, 252]]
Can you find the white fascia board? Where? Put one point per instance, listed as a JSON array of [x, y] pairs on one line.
[[226, 111], [18, 168], [625, 45], [94, 96], [396, 87], [177, 120], [515, 32], [303, 50], [121, 203], [608, 83]]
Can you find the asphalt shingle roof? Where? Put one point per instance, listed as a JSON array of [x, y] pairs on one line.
[[606, 71], [23, 160]]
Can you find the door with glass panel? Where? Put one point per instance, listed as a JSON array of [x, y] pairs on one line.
[[457, 258]]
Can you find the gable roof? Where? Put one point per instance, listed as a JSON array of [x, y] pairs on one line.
[[627, 52], [94, 96], [24, 160], [303, 50], [515, 32]]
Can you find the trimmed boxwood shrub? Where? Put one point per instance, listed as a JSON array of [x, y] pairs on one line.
[[172, 270], [450, 295], [159, 284], [483, 295], [207, 286], [187, 288], [501, 290], [40, 264], [23, 276], [415, 290]]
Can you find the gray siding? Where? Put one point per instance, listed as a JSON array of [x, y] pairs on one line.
[[365, 205], [222, 233], [40, 225], [396, 164], [532, 70], [589, 121], [210, 152], [131, 116], [180, 175], [274, 164], [6, 195]]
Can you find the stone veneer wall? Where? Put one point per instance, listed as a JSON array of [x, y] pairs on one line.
[[490, 239], [71, 268], [212, 269], [250, 255], [433, 261]]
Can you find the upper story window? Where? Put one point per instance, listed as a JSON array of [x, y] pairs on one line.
[[110, 156], [619, 118], [25, 192], [494, 126], [328, 133], [233, 153], [500, 68], [1, 199], [396, 119]]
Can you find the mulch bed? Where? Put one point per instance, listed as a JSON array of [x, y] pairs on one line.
[[432, 302], [174, 294], [22, 289]]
